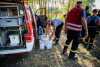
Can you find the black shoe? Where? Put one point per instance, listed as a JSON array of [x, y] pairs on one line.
[[72, 56]]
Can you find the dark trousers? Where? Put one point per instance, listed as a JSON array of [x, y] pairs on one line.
[[91, 37], [75, 36], [58, 31]]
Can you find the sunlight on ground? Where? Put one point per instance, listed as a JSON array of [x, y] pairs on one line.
[[86, 58]]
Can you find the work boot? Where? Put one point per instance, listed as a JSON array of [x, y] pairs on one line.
[[72, 56]]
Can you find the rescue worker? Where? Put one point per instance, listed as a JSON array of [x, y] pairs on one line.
[[58, 25], [93, 22], [73, 25]]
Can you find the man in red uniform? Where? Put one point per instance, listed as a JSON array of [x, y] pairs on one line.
[[73, 24]]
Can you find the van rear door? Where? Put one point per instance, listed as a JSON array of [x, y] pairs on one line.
[[12, 25]]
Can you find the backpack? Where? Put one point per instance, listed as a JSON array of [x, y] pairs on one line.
[[92, 21]]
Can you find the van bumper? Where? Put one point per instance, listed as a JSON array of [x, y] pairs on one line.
[[29, 47]]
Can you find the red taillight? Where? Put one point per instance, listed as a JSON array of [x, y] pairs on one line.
[[28, 37], [28, 18]]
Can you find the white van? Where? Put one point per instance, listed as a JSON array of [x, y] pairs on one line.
[[16, 29]]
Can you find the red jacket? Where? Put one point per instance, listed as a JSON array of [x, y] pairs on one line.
[[74, 19]]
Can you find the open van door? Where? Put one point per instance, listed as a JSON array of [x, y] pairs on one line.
[[16, 29]]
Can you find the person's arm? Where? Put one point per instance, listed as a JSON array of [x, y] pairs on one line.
[[53, 29], [65, 26], [84, 23]]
